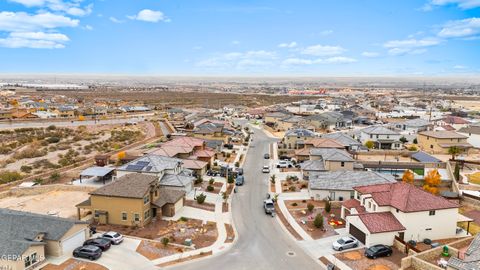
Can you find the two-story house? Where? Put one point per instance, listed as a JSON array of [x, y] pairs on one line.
[[378, 213], [439, 142], [328, 121], [304, 153], [382, 137], [348, 142], [133, 200], [295, 138]]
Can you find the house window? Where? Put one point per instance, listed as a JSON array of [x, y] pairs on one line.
[[33, 258], [146, 215], [431, 213], [136, 217], [156, 193], [342, 164], [27, 261], [369, 205], [371, 136], [398, 210], [377, 136], [431, 146], [374, 208], [428, 229], [124, 216], [146, 199], [97, 213]]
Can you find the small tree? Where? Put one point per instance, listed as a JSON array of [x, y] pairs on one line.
[[369, 144], [454, 151], [328, 206], [272, 179], [210, 188], [318, 221], [225, 197], [310, 207], [456, 172], [412, 148], [415, 141], [408, 177], [237, 164], [165, 241], [211, 181], [403, 139], [121, 155], [432, 180], [201, 198], [231, 179]]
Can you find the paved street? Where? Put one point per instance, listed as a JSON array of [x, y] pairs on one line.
[[262, 243]]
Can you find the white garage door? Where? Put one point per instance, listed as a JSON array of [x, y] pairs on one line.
[[74, 241]]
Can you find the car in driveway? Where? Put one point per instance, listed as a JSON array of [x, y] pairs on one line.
[[376, 251], [284, 164], [345, 243], [265, 169], [266, 156], [102, 243], [114, 237], [88, 252]]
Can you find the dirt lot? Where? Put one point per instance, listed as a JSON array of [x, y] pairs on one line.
[[73, 264], [61, 203], [309, 227], [356, 260]]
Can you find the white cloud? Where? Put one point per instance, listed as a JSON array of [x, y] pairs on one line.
[[292, 44], [115, 20], [330, 60], [340, 60], [410, 46], [323, 50], [148, 15], [36, 40], [370, 54], [21, 21], [73, 7], [463, 4], [461, 28], [299, 61], [239, 60], [88, 27], [459, 67]]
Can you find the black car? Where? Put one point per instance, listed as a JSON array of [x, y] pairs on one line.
[[89, 252], [266, 156], [378, 251], [102, 243]]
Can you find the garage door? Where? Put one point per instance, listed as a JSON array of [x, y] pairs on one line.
[[74, 241], [355, 232]]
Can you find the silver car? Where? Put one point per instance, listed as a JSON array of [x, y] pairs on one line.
[[265, 169], [345, 243]]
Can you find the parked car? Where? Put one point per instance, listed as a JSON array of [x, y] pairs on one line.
[[268, 206], [102, 243], [378, 251], [345, 243], [265, 169], [89, 252], [266, 156], [228, 146], [284, 164], [114, 237], [240, 171], [283, 157], [240, 180]]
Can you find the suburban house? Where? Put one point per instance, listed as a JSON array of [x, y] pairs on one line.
[[271, 119], [346, 140], [339, 185], [378, 213], [439, 142], [328, 121], [304, 153], [382, 137], [413, 126], [289, 122], [326, 159], [27, 238], [454, 121], [169, 171], [468, 260], [212, 130], [473, 133], [295, 138], [65, 111], [133, 200]]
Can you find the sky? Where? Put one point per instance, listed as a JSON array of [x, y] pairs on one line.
[[243, 37]]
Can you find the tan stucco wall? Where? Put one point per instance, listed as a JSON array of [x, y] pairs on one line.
[[115, 206], [337, 166], [426, 144]]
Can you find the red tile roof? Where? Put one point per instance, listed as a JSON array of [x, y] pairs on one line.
[[194, 164], [381, 222], [302, 152], [406, 197], [352, 203], [204, 153], [185, 142], [455, 120]]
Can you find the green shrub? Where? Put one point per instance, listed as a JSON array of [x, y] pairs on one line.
[[165, 241], [230, 179], [294, 204], [201, 198], [54, 177], [310, 207], [26, 169], [9, 176], [184, 219], [211, 181], [210, 188], [53, 139], [318, 221], [328, 206]]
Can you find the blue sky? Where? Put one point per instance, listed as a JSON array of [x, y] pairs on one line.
[[260, 38]]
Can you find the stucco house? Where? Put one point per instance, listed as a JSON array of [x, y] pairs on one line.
[[377, 213], [295, 138], [439, 142], [382, 137], [473, 133], [328, 121], [346, 140], [27, 238], [304, 153], [134, 200], [339, 185], [413, 126]]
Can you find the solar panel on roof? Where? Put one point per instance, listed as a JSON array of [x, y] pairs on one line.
[[143, 163], [148, 168], [135, 167]]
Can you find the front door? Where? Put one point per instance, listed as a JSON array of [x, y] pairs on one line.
[[154, 212]]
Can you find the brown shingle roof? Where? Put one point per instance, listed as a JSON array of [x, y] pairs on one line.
[[381, 222], [168, 196], [133, 185], [443, 134]]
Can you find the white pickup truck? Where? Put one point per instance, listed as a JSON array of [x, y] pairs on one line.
[[284, 164]]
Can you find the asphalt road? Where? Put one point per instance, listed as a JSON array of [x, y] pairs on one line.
[[262, 243]]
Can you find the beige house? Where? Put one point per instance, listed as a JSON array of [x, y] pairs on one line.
[[439, 142], [132, 200], [378, 213], [296, 138], [26, 238]]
